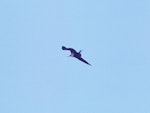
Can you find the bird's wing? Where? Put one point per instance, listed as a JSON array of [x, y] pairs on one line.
[[70, 49], [81, 59]]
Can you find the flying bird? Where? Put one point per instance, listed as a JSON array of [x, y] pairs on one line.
[[75, 54]]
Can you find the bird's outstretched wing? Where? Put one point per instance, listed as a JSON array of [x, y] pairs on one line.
[[81, 59], [70, 49]]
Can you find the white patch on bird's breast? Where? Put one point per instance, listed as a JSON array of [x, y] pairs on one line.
[[72, 55]]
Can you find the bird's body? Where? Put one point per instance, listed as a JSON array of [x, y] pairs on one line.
[[75, 54]]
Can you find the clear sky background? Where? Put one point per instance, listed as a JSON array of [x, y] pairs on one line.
[[36, 76]]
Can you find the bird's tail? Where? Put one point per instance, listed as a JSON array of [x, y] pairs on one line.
[[80, 51]]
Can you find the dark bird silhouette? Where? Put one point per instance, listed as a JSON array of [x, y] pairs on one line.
[[75, 54]]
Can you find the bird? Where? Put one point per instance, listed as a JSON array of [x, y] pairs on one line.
[[75, 54]]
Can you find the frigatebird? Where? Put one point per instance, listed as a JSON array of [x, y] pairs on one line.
[[75, 54]]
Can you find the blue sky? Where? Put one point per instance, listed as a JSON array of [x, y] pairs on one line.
[[38, 77]]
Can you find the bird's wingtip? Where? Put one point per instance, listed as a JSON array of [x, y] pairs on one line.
[[90, 65], [63, 47]]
